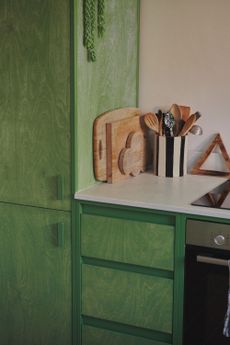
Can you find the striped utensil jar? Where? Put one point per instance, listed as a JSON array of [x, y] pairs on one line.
[[171, 156]]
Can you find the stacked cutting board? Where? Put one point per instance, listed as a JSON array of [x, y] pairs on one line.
[[120, 145]]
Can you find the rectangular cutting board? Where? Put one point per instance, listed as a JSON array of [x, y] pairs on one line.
[[99, 137]]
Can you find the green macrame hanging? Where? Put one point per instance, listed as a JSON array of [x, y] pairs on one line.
[[89, 15]]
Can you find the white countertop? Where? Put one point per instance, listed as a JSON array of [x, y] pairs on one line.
[[159, 193]]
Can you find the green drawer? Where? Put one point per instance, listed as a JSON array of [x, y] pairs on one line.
[[126, 297], [127, 241], [96, 336]]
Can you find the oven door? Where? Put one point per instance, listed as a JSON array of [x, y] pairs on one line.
[[206, 296]]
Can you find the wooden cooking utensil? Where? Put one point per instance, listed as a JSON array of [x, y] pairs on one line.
[[188, 125], [161, 125], [152, 122], [185, 112], [175, 110]]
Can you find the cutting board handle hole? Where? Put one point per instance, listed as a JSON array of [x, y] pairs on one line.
[[100, 149]]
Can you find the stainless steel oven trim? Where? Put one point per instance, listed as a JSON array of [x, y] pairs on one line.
[[207, 234]]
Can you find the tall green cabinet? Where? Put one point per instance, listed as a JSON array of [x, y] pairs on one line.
[[35, 190], [49, 97]]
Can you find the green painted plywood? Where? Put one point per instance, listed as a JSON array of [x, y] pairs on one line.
[[109, 83], [34, 102], [35, 284], [134, 242], [130, 298], [96, 336]]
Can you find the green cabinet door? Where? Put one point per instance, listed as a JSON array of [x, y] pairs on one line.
[[34, 103], [35, 284]]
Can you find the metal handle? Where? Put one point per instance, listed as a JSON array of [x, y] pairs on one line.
[[60, 234], [211, 261], [60, 187]]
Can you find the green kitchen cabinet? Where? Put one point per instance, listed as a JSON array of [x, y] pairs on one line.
[[49, 97], [35, 103], [130, 268], [35, 284], [50, 94]]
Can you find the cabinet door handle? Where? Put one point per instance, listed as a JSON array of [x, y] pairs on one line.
[[60, 234], [60, 187], [211, 261]]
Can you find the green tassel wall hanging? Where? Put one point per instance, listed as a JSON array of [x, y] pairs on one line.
[[93, 10]]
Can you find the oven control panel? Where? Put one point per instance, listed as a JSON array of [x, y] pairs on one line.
[[220, 240], [207, 234]]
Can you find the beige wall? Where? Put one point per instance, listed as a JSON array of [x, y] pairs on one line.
[[185, 59]]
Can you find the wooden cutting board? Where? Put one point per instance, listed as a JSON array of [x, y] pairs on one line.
[[132, 159], [99, 137], [126, 148]]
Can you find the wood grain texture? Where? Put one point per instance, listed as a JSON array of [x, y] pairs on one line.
[[35, 279], [99, 138], [129, 298], [109, 83], [216, 142], [133, 158], [96, 336], [188, 125], [134, 242], [185, 111], [117, 134], [35, 105]]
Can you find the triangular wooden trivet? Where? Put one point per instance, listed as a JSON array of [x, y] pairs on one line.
[[216, 142]]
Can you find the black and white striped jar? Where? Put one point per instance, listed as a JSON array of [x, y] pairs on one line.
[[171, 156]]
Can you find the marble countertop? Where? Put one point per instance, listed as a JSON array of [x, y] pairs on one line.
[[159, 193]]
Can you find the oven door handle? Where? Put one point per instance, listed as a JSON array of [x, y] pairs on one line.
[[211, 261]]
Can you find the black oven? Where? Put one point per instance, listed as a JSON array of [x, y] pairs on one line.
[[206, 283]]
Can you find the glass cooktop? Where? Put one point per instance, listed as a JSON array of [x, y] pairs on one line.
[[219, 197]]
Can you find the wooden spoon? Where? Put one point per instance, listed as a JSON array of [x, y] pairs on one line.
[[152, 122], [175, 110], [185, 112], [188, 125]]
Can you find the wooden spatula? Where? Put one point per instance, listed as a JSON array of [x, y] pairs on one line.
[[185, 112], [188, 125], [152, 122]]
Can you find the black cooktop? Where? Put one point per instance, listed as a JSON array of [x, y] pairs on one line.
[[219, 197]]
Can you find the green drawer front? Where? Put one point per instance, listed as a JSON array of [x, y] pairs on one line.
[[130, 298], [128, 241], [96, 336]]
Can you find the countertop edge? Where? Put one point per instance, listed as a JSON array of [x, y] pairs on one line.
[[151, 193], [189, 210]]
